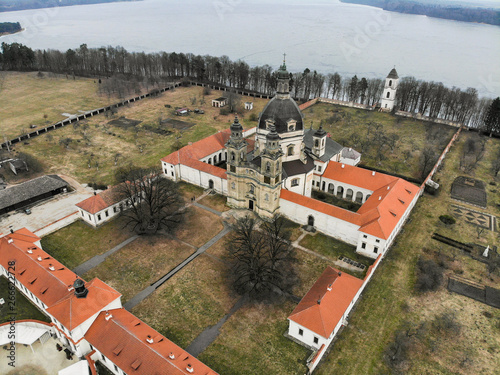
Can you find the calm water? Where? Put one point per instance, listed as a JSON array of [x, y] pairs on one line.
[[323, 35]]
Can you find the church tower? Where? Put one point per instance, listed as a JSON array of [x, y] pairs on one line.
[[236, 148], [319, 142], [270, 174], [390, 88]]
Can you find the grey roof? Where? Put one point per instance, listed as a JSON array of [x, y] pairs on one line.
[[18, 164], [393, 74], [331, 148], [30, 189], [350, 153], [281, 111], [221, 99], [293, 168]]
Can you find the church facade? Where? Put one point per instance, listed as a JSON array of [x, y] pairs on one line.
[[274, 168]]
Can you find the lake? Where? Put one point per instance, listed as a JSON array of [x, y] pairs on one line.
[[322, 35]]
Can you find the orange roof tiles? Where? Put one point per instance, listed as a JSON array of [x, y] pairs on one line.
[[101, 201], [125, 334], [72, 311], [357, 176], [325, 303], [50, 281]]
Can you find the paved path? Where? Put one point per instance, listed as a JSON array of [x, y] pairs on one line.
[[98, 259], [209, 335], [209, 209], [139, 297]]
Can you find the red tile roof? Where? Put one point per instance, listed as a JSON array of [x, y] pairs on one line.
[[50, 281], [380, 214], [122, 339], [101, 201], [72, 311], [357, 176], [192, 154], [325, 303]]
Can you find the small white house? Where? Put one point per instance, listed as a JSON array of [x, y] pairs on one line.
[[249, 106], [219, 102], [101, 207]]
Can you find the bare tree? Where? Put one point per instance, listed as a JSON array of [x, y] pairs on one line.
[[262, 258], [153, 203], [427, 160]]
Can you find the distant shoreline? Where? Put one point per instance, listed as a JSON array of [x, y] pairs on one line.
[[15, 32], [486, 16], [5, 8]]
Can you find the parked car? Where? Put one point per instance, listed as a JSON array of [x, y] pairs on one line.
[[27, 211]]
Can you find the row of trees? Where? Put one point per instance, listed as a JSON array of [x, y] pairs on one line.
[[9, 27], [416, 96]]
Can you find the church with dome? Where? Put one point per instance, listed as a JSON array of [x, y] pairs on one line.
[[274, 168]]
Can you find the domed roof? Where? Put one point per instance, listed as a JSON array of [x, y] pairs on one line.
[[281, 110], [236, 126]]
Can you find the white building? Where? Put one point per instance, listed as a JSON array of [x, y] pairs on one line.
[[87, 317], [390, 89], [102, 207]]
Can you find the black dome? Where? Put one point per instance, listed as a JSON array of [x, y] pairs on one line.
[[281, 111]]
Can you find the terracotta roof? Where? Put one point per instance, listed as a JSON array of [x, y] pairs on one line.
[[357, 176], [50, 281], [72, 311], [326, 302], [123, 339], [48, 286], [100, 201], [380, 214]]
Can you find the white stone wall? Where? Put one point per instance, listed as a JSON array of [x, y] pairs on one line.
[[366, 193], [373, 246], [326, 224], [307, 336]]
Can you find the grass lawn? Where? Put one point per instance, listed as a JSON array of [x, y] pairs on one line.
[[252, 342], [333, 249], [310, 268], [114, 147], [390, 302], [140, 263], [23, 308], [215, 201], [196, 298], [199, 226], [78, 242], [349, 127], [50, 96], [189, 191]]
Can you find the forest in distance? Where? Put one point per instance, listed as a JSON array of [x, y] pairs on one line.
[[125, 72], [13, 5], [9, 27], [450, 12]]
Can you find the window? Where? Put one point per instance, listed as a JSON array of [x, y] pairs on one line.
[[363, 245], [295, 182], [316, 340], [91, 347], [266, 197], [267, 180], [290, 150], [232, 168], [172, 173], [316, 143], [115, 209], [268, 167], [319, 168], [301, 332], [377, 241], [103, 357], [107, 213], [388, 94], [390, 83], [233, 185], [291, 128], [233, 156], [365, 236], [99, 217], [375, 249], [81, 213], [251, 189], [116, 368]]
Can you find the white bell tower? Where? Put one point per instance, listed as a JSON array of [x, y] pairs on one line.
[[390, 88]]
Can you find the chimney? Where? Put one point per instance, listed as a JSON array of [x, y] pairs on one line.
[[343, 166], [149, 339], [379, 197], [10, 240], [30, 251], [95, 193], [51, 267], [373, 173], [11, 230], [388, 187], [329, 287], [39, 258], [171, 355], [189, 368], [340, 273]]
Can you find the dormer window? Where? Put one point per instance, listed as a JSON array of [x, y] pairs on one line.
[[291, 128], [251, 189], [291, 125], [295, 182], [269, 122]]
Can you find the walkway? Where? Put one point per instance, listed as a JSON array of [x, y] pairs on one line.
[[209, 335], [139, 297], [98, 259]]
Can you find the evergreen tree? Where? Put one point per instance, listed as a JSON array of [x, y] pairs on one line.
[[492, 119]]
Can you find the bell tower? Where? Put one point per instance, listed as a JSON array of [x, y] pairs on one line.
[[236, 159], [390, 88], [270, 174], [283, 88], [319, 142]]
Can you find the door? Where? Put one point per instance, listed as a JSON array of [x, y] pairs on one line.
[[210, 184], [250, 205]]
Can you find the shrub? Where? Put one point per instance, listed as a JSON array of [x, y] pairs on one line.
[[429, 275], [253, 117], [97, 186], [447, 219], [396, 353], [446, 322], [224, 111], [34, 165]]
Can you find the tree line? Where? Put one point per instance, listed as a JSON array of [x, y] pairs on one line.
[[431, 99], [9, 27], [36, 4], [449, 12]]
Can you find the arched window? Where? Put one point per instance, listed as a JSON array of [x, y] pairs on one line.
[[233, 156], [210, 161], [310, 221], [290, 150], [268, 167], [233, 185], [388, 94], [390, 83], [316, 143], [266, 197], [251, 188], [215, 159]]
